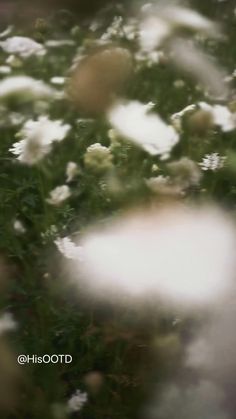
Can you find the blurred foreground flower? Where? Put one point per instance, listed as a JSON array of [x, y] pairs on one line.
[[213, 349], [133, 121], [72, 170], [77, 401], [94, 381], [25, 88], [19, 227], [69, 249], [183, 255], [7, 323], [38, 137], [22, 46], [97, 78], [204, 400], [59, 195], [203, 116], [221, 116], [168, 26], [163, 22]]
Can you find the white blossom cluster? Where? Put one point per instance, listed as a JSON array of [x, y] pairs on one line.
[[212, 162]]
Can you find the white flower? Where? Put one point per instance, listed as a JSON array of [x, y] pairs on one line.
[[133, 121], [98, 158], [57, 43], [149, 58], [213, 349], [58, 195], [161, 27], [118, 29], [156, 184], [23, 46], [6, 32], [71, 171], [77, 401], [16, 118], [190, 19], [5, 69], [182, 255], [198, 399], [60, 81], [161, 23], [14, 61], [26, 87], [69, 249], [179, 84], [176, 118], [212, 162], [7, 323], [153, 31], [114, 30], [38, 137], [221, 115], [19, 227]]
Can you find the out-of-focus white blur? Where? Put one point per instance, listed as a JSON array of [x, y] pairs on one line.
[[179, 254], [176, 28]]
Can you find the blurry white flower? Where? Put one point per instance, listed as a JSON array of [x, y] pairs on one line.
[[50, 234], [198, 65], [60, 81], [162, 23], [57, 43], [19, 227], [6, 32], [183, 255], [203, 400], [162, 26], [98, 158], [14, 61], [114, 30], [71, 171], [130, 29], [7, 323], [185, 172], [149, 58], [23, 46], [153, 31], [176, 118], [181, 17], [5, 69], [25, 87], [221, 115], [133, 121], [38, 137], [155, 168], [213, 349], [16, 118], [69, 249], [162, 185], [77, 401], [179, 84], [58, 195], [212, 162]]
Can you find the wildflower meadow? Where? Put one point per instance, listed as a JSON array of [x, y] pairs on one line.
[[117, 194]]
